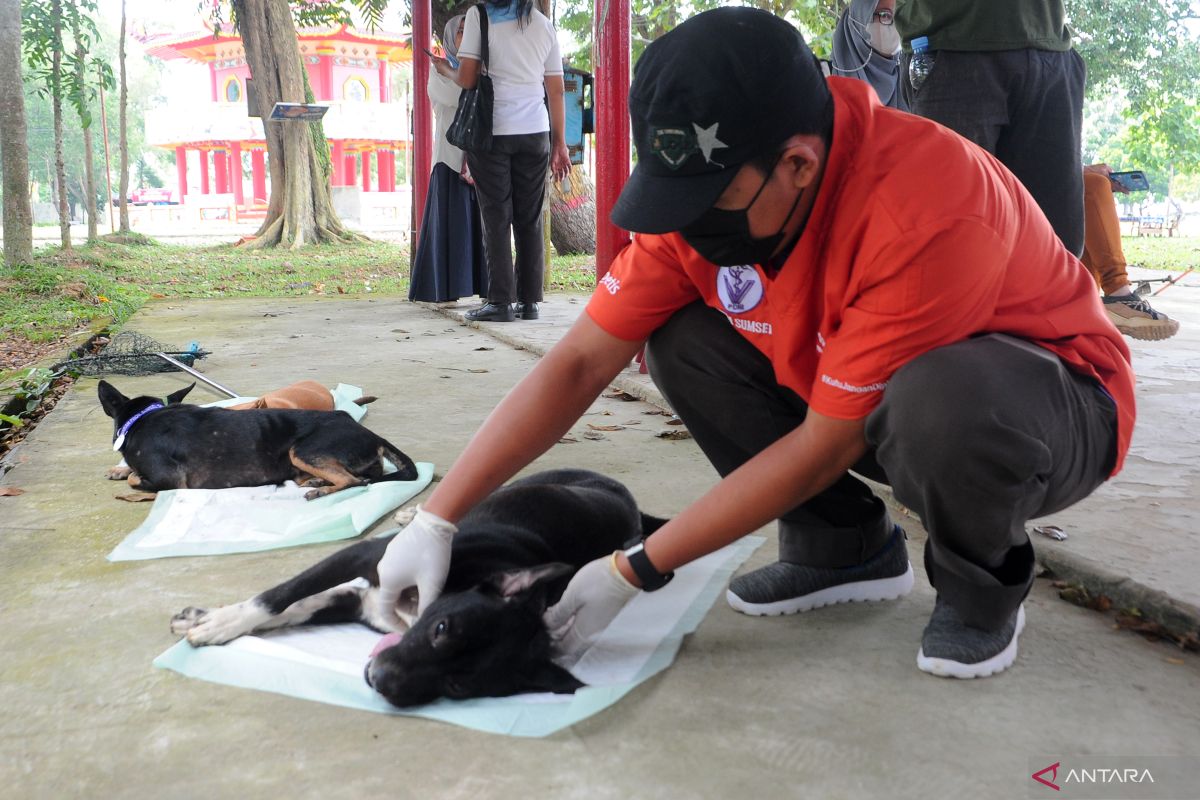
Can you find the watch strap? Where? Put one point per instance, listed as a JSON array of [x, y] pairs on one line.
[[649, 576]]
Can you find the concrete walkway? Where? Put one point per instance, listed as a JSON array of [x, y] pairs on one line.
[[827, 704]]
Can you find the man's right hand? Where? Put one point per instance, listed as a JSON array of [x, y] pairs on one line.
[[417, 556]]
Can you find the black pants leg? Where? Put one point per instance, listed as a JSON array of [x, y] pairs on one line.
[[510, 181], [977, 438], [1026, 108]]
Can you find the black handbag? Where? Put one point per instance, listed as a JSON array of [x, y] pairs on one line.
[[472, 126]]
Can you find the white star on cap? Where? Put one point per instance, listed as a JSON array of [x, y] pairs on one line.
[[706, 139]]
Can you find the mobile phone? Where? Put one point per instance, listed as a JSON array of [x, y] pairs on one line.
[[1132, 180], [430, 53]]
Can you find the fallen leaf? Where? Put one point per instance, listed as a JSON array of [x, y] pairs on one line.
[[477, 370], [10, 491], [568, 440], [621, 395], [606, 427], [674, 421], [137, 497], [592, 435], [477, 349], [1176, 661], [673, 435]]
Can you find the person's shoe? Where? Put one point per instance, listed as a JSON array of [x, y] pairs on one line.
[[1134, 317], [786, 588], [952, 649], [527, 310], [492, 312]]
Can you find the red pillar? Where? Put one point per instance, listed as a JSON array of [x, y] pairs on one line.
[[422, 112], [212, 74], [181, 171], [611, 59], [258, 175], [221, 170], [350, 169], [391, 171], [366, 170], [203, 171], [339, 163], [235, 172], [385, 86]]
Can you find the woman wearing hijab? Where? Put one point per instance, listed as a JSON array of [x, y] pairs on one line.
[[866, 46], [449, 262]]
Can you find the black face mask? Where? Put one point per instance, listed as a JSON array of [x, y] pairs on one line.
[[723, 236]]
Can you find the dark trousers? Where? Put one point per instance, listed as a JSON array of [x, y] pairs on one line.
[[1026, 108], [976, 437], [510, 181]]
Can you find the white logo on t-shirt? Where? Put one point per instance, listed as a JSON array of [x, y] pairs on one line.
[[610, 283], [739, 288]]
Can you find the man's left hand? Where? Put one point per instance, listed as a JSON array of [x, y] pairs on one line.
[[591, 601]]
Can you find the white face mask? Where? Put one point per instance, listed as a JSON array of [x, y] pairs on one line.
[[884, 38]]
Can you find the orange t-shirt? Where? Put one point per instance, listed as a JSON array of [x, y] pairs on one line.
[[918, 239]]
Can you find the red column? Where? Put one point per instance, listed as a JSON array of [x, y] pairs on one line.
[[611, 58], [221, 170], [339, 163], [350, 169], [212, 74], [203, 172], [181, 171], [366, 170], [391, 171], [258, 175], [385, 86], [422, 112], [235, 172]]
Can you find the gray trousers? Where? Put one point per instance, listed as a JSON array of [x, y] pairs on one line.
[[510, 181], [1025, 107], [976, 437]]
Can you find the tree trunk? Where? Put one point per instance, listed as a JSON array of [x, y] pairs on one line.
[[14, 148], [300, 210], [60, 171], [89, 172], [122, 132], [573, 215]]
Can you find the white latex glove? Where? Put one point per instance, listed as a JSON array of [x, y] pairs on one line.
[[592, 599], [417, 556]]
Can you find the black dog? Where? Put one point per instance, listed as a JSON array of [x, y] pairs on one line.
[[511, 559], [175, 446]]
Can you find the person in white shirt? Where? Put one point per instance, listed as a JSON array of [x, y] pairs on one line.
[[528, 137], [449, 261]]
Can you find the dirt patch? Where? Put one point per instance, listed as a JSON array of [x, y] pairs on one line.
[[10, 437], [17, 352]]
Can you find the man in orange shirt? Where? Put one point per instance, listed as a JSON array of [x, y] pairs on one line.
[[824, 285]]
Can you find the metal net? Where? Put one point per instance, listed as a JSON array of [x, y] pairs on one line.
[[131, 353]]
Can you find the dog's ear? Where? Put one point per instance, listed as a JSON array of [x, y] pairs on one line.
[[175, 398], [513, 583], [111, 400], [546, 676]]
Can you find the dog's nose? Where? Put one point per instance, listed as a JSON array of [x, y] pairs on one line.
[[367, 674]]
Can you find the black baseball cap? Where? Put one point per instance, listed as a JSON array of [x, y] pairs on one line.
[[721, 88]]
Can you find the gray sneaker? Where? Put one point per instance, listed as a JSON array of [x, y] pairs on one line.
[[952, 649], [786, 588], [1134, 317]]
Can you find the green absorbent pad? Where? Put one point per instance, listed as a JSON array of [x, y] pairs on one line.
[[205, 522], [325, 663]]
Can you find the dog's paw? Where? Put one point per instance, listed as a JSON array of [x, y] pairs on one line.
[[183, 622], [405, 515], [226, 623], [118, 473], [310, 482]]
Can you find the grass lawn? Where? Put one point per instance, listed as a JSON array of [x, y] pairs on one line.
[[1169, 253], [61, 293]]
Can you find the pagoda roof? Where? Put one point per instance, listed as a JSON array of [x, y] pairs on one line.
[[210, 45]]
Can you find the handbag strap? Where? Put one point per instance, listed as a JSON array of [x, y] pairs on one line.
[[483, 34]]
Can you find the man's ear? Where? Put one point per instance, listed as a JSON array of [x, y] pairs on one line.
[[177, 397], [546, 676], [110, 399], [804, 156]]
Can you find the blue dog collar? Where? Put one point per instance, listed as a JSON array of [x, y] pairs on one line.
[[119, 442]]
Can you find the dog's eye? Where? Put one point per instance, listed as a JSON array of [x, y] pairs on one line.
[[440, 631]]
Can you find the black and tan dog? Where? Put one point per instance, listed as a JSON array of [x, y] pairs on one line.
[[175, 446], [512, 558]]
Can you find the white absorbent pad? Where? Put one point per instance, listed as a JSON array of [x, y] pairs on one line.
[[204, 522], [325, 662]]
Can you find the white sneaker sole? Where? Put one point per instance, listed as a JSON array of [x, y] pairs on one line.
[[860, 591], [946, 668]]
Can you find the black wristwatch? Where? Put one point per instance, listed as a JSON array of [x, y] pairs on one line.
[[646, 572]]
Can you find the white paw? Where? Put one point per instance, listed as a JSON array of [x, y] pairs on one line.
[[227, 623], [182, 622], [405, 515]]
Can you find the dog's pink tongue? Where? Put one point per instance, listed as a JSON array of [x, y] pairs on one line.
[[388, 640]]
